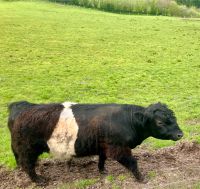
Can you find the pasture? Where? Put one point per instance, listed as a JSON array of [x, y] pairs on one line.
[[55, 53]]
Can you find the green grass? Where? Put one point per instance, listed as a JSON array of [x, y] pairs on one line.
[[197, 186], [151, 175], [122, 177], [55, 53], [110, 178]]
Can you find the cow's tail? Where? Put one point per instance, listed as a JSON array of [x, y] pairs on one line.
[[15, 109]]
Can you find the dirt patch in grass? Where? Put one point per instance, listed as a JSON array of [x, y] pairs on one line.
[[193, 121], [171, 167]]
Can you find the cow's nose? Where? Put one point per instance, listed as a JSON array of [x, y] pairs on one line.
[[179, 135]]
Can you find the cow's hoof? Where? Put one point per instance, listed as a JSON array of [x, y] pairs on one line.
[[142, 179], [40, 180]]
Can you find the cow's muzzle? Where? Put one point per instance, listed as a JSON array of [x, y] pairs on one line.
[[177, 136]]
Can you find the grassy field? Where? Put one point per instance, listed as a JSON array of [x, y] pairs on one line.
[[55, 53]]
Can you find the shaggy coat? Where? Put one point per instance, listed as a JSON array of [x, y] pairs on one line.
[[70, 129]]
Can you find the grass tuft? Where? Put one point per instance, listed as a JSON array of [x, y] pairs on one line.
[[110, 178], [151, 174], [122, 177]]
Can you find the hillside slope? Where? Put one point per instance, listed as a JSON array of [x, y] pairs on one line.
[[50, 52]]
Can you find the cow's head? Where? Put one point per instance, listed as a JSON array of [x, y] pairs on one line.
[[161, 122]]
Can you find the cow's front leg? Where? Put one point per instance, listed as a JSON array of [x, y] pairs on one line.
[[124, 156], [131, 163]]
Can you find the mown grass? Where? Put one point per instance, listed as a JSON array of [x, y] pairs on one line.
[[55, 53]]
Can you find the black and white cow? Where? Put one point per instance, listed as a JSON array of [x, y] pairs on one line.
[[70, 129]]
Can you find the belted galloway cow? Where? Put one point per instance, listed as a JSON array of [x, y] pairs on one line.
[[69, 129]]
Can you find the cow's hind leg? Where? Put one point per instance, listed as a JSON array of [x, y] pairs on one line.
[[28, 161], [124, 156], [28, 158], [28, 155]]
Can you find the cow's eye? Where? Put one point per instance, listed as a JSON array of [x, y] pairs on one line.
[[160, 123]]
